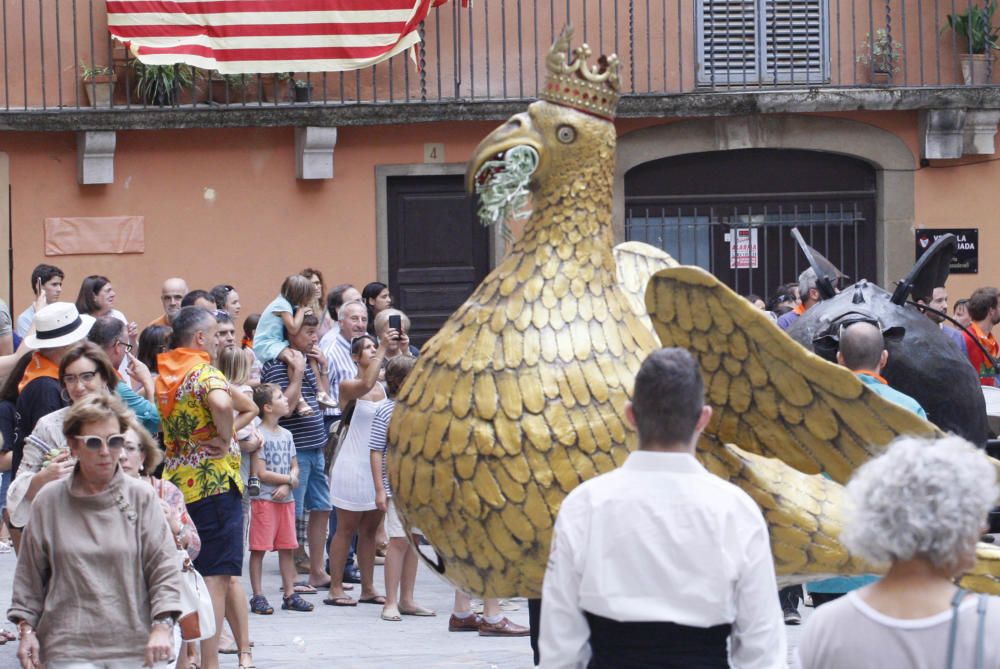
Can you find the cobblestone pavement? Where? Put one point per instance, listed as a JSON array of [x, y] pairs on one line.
[[345, 638]]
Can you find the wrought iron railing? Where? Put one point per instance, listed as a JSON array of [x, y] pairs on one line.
[[58, 55]]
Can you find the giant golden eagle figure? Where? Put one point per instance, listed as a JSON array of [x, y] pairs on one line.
[[520, 396]]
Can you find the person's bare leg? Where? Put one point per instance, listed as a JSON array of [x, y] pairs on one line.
[[394, 561], [340, 544], [238, 615], [318, 523], [256, 571], [286, 564], [491, 608], [463, 603], [370, 520], [408, 578], [218, 587]]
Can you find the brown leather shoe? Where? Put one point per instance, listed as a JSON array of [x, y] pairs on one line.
[[467, 624], [503, 628]]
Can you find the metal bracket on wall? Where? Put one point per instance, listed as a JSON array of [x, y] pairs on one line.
[[314, 147], [95, 156]]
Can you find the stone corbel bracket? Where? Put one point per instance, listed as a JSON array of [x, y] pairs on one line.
[[953, 133], [95, 156], [314, 147]]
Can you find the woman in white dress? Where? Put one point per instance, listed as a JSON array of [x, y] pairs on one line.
[[352, 490]]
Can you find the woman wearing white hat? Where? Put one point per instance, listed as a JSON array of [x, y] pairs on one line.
[[58, 327]]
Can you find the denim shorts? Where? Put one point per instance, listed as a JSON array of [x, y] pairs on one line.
[[313, 491], [219, 520]]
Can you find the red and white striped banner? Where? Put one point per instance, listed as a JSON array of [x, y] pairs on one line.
[[261, 36]]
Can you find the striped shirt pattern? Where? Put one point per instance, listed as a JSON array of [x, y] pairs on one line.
[[308, 431], [340, 365], [251, 36], [378, 441]]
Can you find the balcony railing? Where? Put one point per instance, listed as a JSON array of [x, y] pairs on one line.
[[495, 51]]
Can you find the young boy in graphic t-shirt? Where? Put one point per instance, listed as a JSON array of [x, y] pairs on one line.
[[272, 512]]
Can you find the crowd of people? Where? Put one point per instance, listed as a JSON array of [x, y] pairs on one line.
[[124, 447]]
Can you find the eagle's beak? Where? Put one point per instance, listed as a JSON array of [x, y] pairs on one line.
[[517, 131]]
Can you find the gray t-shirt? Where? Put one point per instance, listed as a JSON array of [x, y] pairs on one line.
[[278, 451], [6, 324], [849, 634]]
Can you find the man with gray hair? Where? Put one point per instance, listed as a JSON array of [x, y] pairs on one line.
[[808, 296]]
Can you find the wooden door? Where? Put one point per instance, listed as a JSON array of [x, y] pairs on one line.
[[438, 251]]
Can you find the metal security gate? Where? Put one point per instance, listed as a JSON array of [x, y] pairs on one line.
[[743, 236]]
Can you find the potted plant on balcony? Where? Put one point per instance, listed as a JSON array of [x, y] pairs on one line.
[[276, 87], [303, 90], [975, 25], [160, 84], [98, 84], [882, 55]]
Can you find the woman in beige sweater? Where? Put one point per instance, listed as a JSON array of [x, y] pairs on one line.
[[97, 582]]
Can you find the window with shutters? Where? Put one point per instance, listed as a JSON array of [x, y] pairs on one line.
[[762, 42]]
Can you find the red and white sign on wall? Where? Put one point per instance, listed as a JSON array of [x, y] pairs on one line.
[[743, 248]]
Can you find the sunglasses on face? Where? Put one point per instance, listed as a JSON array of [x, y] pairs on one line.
[[115, 442]]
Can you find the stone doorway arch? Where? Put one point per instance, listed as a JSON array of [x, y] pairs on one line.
[[893, 162]]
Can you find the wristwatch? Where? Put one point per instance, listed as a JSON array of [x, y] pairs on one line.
[[167, 619]]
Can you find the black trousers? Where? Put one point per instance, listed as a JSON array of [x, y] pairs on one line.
[[645, 645]]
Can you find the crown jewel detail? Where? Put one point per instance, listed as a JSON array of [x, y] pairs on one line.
[[572, 82]]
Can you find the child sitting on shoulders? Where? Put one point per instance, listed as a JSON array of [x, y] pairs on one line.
[[282, 319], [272, 513]]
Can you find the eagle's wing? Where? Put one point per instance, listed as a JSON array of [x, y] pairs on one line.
[[770, 395], [803, 513], [635, 265]]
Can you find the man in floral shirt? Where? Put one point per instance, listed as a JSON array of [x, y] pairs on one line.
[[201, 459]]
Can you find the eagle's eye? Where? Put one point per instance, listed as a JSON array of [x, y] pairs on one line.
[[566, 134]]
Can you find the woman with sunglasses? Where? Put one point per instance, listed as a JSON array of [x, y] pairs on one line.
[[84, 371], [97, 583]]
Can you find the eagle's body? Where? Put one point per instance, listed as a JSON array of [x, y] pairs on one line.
[[520, 396]]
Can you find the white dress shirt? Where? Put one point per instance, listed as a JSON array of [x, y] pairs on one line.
[[661, 540]]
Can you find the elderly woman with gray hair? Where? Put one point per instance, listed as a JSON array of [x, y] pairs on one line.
[[918, 508]]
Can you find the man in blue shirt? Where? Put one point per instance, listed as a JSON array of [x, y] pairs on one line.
[[862, 350]]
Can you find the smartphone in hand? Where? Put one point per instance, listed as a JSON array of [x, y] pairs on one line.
[[396, 323]]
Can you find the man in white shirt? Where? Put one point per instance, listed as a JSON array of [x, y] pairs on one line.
[[659, 562]]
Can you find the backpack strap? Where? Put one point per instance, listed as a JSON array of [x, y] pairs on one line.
[[981, 631], [953, 632]]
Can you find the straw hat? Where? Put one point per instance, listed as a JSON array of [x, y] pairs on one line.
[[59, 324]]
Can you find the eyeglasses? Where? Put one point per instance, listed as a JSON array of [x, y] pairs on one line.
[[85, 377], [128, 346], [115, 442]]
